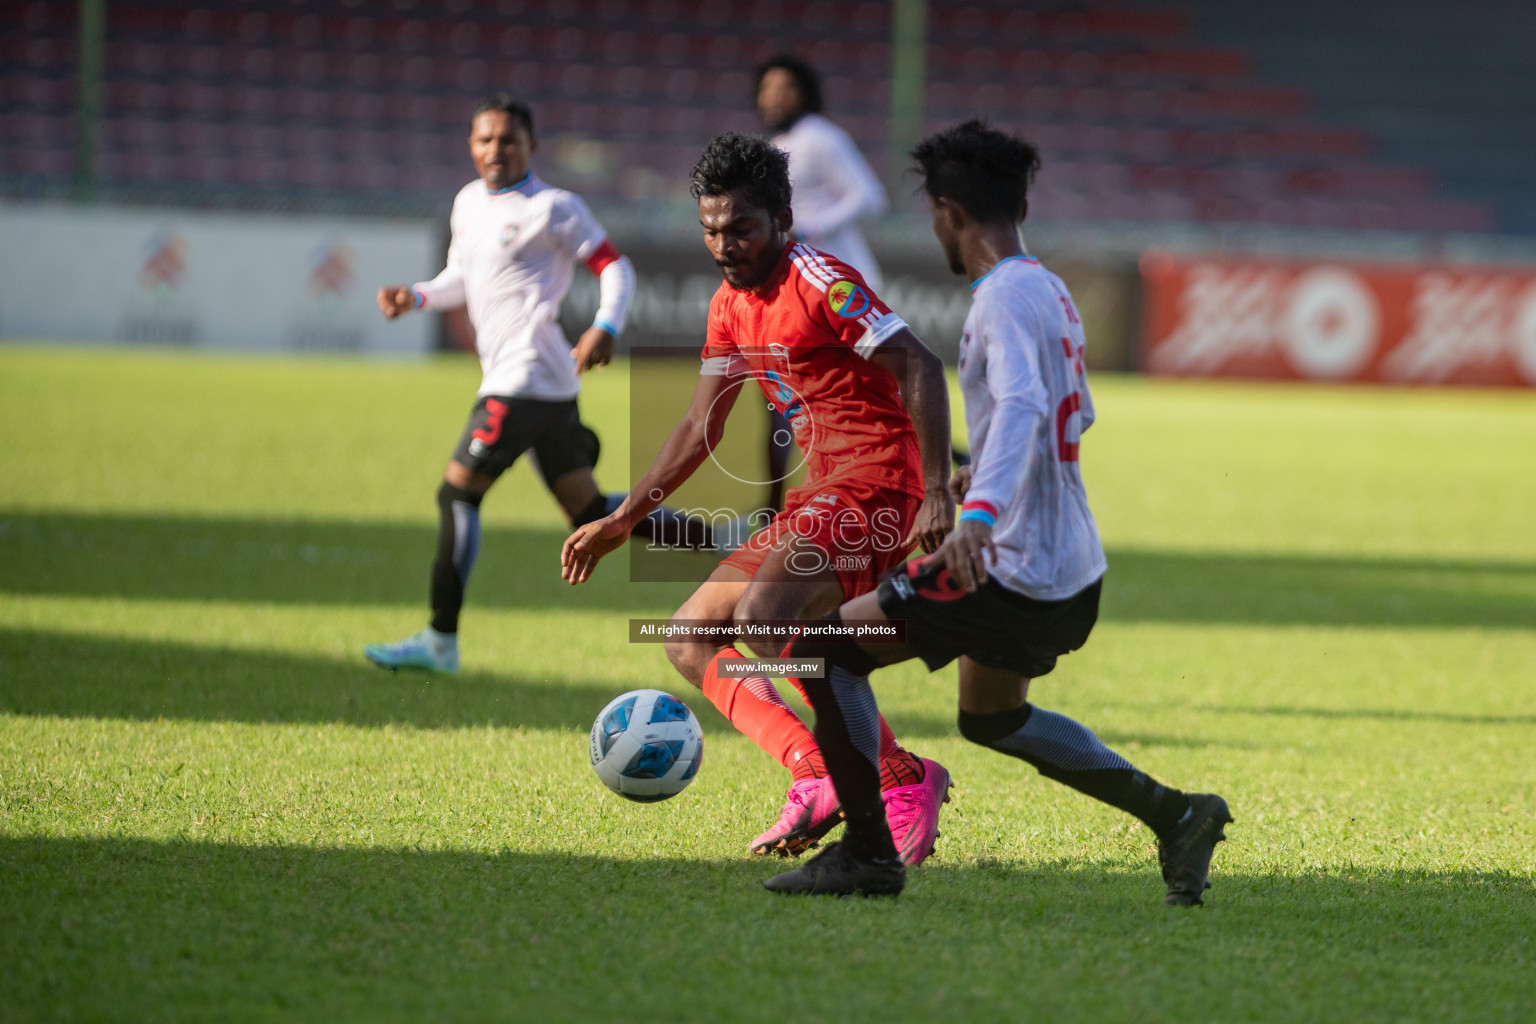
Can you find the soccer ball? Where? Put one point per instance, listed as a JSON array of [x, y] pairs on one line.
[[647, 746]]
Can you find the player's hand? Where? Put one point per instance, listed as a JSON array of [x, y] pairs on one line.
[[595, 348], [935, 518], [395, 299], [582, 549], [959, 483], [963, 553]]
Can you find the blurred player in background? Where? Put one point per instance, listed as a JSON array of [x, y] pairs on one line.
[[1017, 583], [834, 185], [515, 244], [834, 189], [869, 407]]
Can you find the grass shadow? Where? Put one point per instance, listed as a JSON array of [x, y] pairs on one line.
[[1315, 590], [69, 675], [73, 676], [300, 562], [327, 562], [112, 927], [1340, 714]]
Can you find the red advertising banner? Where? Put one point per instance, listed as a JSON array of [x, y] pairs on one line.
[[1222, 316]]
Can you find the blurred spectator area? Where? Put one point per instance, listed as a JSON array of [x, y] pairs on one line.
[[1138, 118]]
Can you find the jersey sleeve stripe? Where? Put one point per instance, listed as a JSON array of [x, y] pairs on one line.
[[604, 254], [878, 332], [819, 284], [822, 263], [724, 366], [805, 261]]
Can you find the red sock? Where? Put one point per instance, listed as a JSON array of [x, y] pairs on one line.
[[756, 709]]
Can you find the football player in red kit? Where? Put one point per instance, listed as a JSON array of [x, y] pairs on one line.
[[868, 404]]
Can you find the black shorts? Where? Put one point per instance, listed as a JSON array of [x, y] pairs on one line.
[[501, 429], [994, 626]]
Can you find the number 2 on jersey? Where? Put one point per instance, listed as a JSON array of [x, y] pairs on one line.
[[1066, 451]]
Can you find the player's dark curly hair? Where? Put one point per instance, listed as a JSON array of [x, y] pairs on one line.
[[805, 76], [734, 161], [502, 103], [986, 171]]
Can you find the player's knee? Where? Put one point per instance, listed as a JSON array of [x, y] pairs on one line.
[[753, 610], [690, 659]]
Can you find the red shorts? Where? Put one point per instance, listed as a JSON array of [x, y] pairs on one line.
[[857, 528]]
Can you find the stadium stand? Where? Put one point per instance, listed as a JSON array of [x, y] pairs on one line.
[[342, 102]]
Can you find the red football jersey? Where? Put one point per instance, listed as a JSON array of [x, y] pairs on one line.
[[807, 340]]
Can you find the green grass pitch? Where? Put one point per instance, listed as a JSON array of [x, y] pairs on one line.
[[1321, 602]]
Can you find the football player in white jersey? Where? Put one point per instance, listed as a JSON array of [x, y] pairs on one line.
[[834, 187], [514, 248], [1016, 584]]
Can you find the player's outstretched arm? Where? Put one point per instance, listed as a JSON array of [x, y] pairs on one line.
[[926, 395], [685, 448], [616, 286]]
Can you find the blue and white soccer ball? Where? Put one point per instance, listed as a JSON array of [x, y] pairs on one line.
[[646, 745]]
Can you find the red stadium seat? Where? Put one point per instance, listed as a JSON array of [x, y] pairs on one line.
[[1141, 117]]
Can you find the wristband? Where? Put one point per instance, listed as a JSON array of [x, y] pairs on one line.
[[419, 300], [979, 511]]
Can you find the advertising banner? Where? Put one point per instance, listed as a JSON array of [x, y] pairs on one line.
[[1336, 321], [227, 281], [675, 285]]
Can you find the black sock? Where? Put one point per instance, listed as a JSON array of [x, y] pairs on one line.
[[1065, 750], [458, 544]]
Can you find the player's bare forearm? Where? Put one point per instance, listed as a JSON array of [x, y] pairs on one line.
[[685, 449], [926, 396]]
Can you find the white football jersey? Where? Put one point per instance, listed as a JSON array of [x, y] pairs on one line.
[[834, 187], [1026, 407], [510, 263]]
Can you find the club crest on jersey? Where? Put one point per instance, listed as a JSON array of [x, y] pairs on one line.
[[848, 299], [508, 232]]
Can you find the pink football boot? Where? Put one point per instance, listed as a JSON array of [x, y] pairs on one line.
[[810, 811], [913, 812]]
